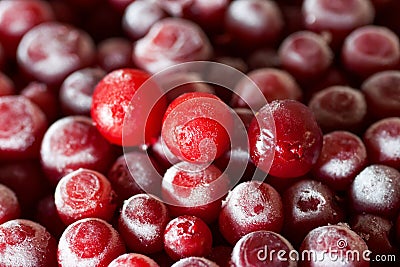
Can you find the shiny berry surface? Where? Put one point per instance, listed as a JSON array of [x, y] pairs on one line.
[[187, 236], [249, 207], [295, 146]]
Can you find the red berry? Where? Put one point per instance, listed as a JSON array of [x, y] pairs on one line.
[[196, 190], [84, 194], [142, 223], [67, 144], [89, 242], [46, 214], [250, 206], [196, 127], [133, 260], [26, 243], [7, 86], [114, 53], [22, 126], [9, 205], [117, 100], [293, 144], [194, 262], [187, 236]]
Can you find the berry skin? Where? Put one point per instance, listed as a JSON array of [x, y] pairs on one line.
[[293, 144], [112, 102], [9, 206], [133, 260]]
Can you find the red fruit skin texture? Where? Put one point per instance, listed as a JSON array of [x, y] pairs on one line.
[[134, 173], [17, 18], [194, 262], [296, 145], [9, 205], [22, 126], [114, 53], [339, 108], [309, 204], [334, 238], [201, 133], [171, 41], [67, 144], [382, 93], [32, 243], [142, 222], [191, 189], [46, 214], [89, 242], [7, 86], [382, 140], [84, 194], [133, 259], [375, 190], [249, 207], [342, 157], [187, 236], [246, 251], [112, 108], [51, 51]]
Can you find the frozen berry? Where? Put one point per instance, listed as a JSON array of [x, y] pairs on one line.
[[114, 53], [9, 205], [194, 262], [133, 260]]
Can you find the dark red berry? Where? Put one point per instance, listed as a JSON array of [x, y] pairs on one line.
[[194, 262], [9, 205]]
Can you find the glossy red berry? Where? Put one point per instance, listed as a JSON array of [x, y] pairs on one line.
[[20, 136], [196, 127], [142, 222], [26, 243], [187, 236], [115, 104], [293, 144], [134, 260], [67, 144], [84, 194], [249, 207], [89, 242]]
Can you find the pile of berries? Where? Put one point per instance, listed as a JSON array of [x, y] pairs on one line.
[[101, 165]]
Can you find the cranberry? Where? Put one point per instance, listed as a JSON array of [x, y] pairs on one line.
[[339, 108], [142, 223], [274, 84], [338, 240], [139, 16], [77, 89], [370, 49], [89, 242], [117, 100], [254, 23], [221, 255], [46, 214], [17, 18], [263, 58], [26, 243], [382, 92], [342, 157], [162, 154], [298, 139], [338, 18], [196, 127], [376, 232], [376, 190], [114, 53], [67, 144], [174, 7], [44, 98], [305, 55], [7, 86], [192, 189], [249, 207], [307, 205], [187, 236], [171, 41], [133, 259], [9, 205], [20, 137], [194, 262], [255, 249], [51, 51], [83, 194], [133, 173], [382, 140]]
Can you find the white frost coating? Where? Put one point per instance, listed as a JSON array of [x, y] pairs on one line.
[[194, 261], [310, 194], [339, 168], [7, 199], [128, 258], [68, 258], [390, 145]]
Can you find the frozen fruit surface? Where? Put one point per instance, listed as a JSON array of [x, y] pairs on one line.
[[9, 205], [133, 259]]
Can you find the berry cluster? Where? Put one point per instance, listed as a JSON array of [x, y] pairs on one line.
[[101, 165]]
